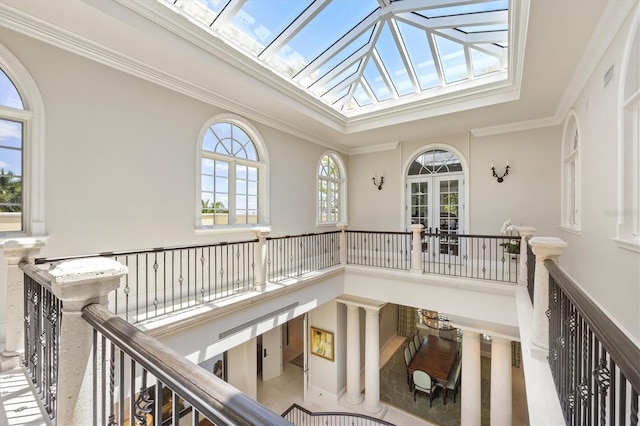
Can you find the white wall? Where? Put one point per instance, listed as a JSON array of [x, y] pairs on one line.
[[608, 273], [241, 368]]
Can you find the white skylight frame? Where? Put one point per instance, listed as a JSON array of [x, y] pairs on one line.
[[474, 91]]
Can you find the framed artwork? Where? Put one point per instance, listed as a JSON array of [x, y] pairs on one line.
[[321, 343], [220, 366]]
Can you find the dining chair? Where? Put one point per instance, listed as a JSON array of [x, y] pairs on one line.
[[407, 361], [422, 383], [420, 336], [412, 348], [453, 382], [449, 334], [417, 341]]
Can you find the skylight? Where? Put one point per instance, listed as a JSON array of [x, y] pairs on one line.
[[355, 55]]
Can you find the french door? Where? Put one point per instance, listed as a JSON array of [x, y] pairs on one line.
[[436, 203]]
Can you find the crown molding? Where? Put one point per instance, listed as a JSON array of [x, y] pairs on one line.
[[375, 148], [516, 126]]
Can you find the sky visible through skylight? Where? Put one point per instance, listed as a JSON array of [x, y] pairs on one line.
[[357, 54]]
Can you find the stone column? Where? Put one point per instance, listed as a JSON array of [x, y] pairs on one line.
[[500, 382], [416, 248], [16, 251], [470, 411], [353, 355], [78, 283], [260, 272], [544, 248], [372, 362], [526, 232], [342, 227]]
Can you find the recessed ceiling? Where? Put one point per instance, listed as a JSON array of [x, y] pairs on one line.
[[360, 57]]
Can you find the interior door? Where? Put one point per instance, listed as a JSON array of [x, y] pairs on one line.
[[272, 353]]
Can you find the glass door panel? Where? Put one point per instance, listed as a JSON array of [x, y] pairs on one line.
[[449, 214]]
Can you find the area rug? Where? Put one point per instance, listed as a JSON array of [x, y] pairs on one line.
[[394, 391]]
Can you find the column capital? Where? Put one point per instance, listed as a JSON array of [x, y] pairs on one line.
[[416, 227], [86, 279], [546, 247], [264, 231], [16, 250], [526, 231]]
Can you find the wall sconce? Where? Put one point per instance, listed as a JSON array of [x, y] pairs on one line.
[[373, 179], [495, 175]]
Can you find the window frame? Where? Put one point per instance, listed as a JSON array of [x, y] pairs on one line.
[[342, 190], [628, 184], [32, 119], [262, 169], [571, 179]]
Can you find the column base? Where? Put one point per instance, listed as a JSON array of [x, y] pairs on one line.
[[9, 361], [356, 400], [378, 410]]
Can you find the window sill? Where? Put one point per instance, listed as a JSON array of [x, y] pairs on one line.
[[628, 244], [226, 229], [575, 231]]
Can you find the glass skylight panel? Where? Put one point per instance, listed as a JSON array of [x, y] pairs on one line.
[[332, 23], [452, 58], [320, 90], [483, 63], [483, 28], [361, 96], [376, 82], [419, 53], [204, 11], [490, 6], [262, 21], [392, 61]]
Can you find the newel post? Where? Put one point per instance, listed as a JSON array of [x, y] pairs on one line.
[[526, 233], [416, 248], [78, 283], [342, 227], [544, 248], [14, 252], [260, 272]]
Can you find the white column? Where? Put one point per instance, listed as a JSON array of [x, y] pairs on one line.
[[353, 355], [260, 271], [470, 410], [544, 248], [416, 248], [526, 232], [372, 362], [343, 243], [77, 284], [500, 382], [16, 251]]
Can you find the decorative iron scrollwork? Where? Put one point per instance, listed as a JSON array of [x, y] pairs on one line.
[[571, 401], [548, 313], [602, 376], [572, 321], [143, 406], [583, 390]]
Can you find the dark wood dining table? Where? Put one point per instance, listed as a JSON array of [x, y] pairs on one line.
[[435, 357]]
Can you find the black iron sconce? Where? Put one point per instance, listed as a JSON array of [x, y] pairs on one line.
[[379, 185], [495, 175]]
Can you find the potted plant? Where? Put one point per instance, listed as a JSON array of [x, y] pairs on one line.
[[509, 229]]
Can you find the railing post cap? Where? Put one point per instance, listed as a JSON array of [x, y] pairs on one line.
[[261, 231], [547, 246], [342, 226], [416, 227], [22, 247], [526, 231], [86, 278]]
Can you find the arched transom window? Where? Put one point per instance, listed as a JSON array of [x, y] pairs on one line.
[[231, 173], [571, 175], [330, 190], [435, 161]]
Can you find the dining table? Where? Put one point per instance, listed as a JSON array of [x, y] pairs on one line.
[[436, 357]]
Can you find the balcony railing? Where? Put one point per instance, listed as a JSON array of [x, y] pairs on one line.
[[380, 249], [300, 416], [595, 366]]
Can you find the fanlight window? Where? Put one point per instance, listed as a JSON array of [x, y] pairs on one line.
[[231, 172], [435, 161], [11, 150]]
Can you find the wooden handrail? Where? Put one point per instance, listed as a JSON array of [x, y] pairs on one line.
[[620, 347], [214, 398]]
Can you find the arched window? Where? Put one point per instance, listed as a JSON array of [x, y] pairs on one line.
[[331, 190], [628, 214], [232, 176], [571, 175], [21, 150]]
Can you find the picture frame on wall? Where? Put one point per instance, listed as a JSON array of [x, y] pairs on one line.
[[321, 343]]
